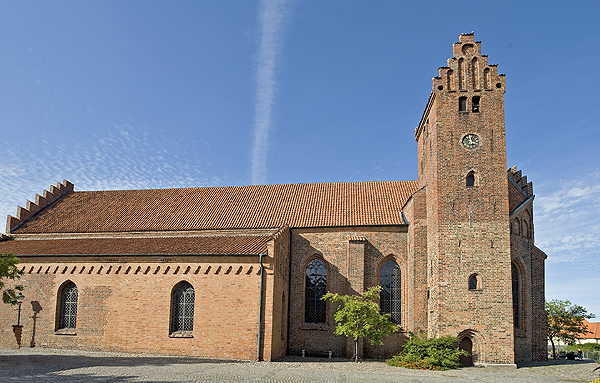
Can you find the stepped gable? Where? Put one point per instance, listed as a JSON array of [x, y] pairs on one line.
[[519, 190], [233, 207], [47, 198], [213, 245]]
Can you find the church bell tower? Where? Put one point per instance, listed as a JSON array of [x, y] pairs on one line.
[[462, 168]]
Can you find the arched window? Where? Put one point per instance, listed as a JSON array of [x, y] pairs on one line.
[[473, 282], [515, 295], [461, 73], [316, 287], [471, 179], [182, 309], [475, 73], [68, 307], [525, 229], [390, 298]]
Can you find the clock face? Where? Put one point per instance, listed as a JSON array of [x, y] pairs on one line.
[[470, 141]]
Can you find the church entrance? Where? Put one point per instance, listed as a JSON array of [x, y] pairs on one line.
[[466, 344]]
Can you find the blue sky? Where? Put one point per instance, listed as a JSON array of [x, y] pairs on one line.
[[149, 94]]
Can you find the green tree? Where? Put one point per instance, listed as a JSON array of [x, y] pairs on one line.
[[565, 321], [359, 316], [9, 270]]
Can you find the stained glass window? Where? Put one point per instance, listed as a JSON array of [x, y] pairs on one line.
[[390, 298], [316, 287]]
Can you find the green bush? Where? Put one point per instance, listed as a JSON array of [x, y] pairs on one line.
[[425, 353], [584, 347]]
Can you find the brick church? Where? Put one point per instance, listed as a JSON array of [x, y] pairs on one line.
[[237, 272]]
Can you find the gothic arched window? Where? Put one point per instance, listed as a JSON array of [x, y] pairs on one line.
[[316, 287], [515, 295], [182, 309], [473, 282], [390, 297], [68, 307], [471, 179]]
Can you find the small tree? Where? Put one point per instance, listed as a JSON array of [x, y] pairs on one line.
[[9, 270], [359, 316], [565, 322]]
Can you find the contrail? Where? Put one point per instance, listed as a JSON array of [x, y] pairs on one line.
[[272, 14]]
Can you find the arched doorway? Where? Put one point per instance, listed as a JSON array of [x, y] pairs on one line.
[[466, 344]]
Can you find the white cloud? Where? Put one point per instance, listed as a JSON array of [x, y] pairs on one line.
[[125, 158], [272, 14], [568, 221]]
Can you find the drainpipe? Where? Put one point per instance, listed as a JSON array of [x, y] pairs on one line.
[[260, 306]]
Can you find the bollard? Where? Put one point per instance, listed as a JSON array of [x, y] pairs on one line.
[[303, 353], [330, 353]]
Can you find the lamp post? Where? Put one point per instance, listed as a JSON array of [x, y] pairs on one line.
[[20, 299]]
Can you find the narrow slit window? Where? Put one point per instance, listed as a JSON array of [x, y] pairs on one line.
[[516, 295], [471, 179], [475, 104], [462, 104]]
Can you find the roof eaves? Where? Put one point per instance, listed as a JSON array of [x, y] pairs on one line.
[[143, 255]]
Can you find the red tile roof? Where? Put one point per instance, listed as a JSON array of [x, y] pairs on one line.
[[234, 207], [594, 330], [138, 246]]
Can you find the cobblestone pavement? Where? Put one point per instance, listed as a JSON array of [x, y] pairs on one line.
[[46, 365]]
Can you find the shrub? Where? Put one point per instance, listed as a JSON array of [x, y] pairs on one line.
[[584, 347], [425, 353]]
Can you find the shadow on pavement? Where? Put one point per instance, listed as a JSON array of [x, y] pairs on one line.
[[554, 362], [44, 363]]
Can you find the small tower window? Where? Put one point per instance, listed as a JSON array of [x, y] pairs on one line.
[[476, 104], [473, 282], [462, 104], [471, 179]]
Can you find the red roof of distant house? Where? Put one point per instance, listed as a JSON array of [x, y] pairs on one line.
[[594, 330]]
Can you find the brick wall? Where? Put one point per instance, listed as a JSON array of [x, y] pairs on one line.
[[346, 252], [124, 305]]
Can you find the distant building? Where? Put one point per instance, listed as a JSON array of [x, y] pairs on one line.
[[593, 335], [238, 272]]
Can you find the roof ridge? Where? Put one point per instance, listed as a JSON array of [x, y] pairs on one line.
[[247, 186]]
